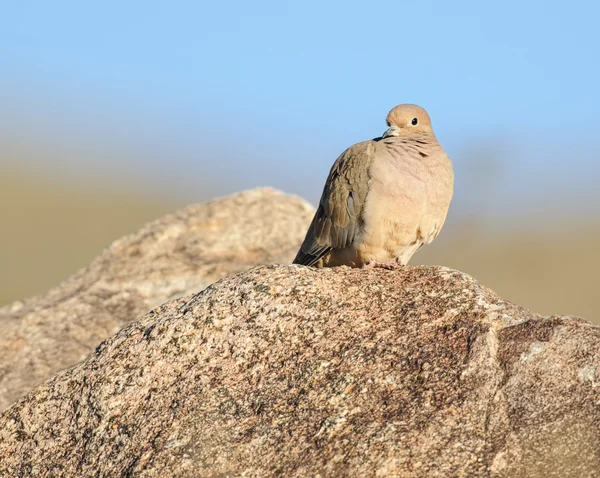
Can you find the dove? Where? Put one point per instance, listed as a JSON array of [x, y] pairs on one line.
[[383, 199]]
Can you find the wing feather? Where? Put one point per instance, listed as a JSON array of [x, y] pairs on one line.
[[338, 218]]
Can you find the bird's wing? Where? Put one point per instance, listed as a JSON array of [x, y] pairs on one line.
[[338, 217]]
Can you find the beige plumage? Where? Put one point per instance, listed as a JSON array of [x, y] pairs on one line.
[[384, 198]]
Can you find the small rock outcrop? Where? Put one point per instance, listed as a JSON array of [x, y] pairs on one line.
[[291, 371], [173, 256]]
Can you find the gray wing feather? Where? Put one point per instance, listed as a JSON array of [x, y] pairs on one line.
[[338, 218]]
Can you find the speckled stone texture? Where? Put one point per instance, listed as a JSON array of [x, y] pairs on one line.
[[291, 371], [173, 256]]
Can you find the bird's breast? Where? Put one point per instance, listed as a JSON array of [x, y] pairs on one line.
[[405, 207]]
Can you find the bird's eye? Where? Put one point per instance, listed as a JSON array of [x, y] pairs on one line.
[[414, 121]]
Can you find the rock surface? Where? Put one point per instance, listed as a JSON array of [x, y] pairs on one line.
[[173, 256], [291, 371]]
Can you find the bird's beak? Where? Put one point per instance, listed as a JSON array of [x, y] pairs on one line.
[[392, 131]]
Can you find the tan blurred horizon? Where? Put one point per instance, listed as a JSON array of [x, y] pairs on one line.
[[52, 228]]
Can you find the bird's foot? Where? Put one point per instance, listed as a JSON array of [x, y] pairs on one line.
[[382, 265]]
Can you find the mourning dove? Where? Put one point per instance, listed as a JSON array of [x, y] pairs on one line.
[[384, 198]]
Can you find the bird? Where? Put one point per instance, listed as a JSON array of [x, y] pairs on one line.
[[383, 199]]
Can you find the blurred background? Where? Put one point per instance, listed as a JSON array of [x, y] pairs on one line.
[[114, 113]]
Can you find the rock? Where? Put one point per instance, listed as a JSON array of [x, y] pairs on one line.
[[176, 255], [291, 371]]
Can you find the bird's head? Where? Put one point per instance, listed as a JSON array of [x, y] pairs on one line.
[[408, 120]]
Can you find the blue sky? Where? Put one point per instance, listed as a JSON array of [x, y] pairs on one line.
[[276, 90]]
